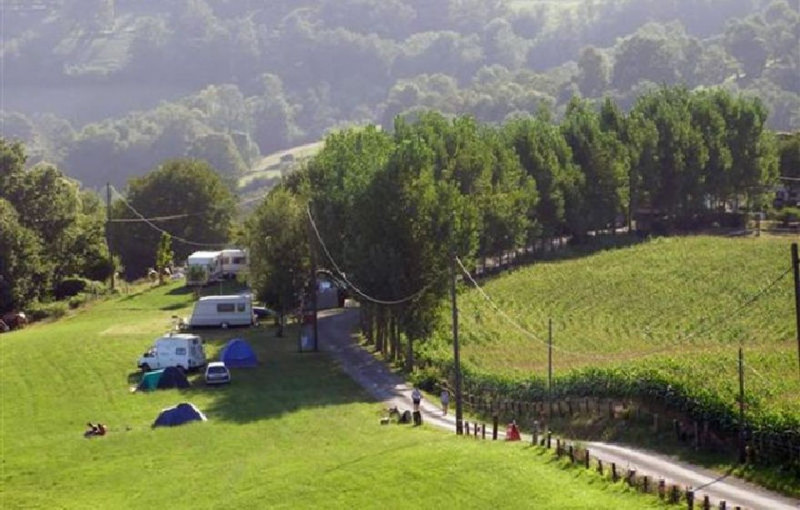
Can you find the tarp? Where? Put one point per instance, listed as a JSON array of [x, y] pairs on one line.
[[170, 377], [238, 353], [150, 380], [178, 415]]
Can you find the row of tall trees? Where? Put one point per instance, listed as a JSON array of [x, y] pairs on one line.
[[393, 209]]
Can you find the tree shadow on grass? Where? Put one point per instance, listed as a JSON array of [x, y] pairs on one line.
[[284, 381]]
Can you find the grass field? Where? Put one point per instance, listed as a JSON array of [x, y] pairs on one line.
[[292, 433], [270, 166], [680, 306]]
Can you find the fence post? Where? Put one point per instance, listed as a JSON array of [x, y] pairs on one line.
[[475, 429], [690, 499], [558, 447], [571, 454], [600, 466], [631, 477], [483, 431], [723, 505], [494, 427], [535, 433], [706, 503], [586, 459], [466, 428], [674, 495], [646, 484], [662, 488], [613, 471], [549, 438]]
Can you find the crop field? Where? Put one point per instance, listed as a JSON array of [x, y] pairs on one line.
[[676, 308], [292, 433]]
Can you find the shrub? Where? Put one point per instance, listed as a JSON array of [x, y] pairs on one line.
[[71, 286], [789, 215], [38, 311]]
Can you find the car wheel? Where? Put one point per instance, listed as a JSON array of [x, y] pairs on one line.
[[224, 325]]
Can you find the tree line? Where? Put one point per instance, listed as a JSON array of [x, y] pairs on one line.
[[252, 80], [392, 208]]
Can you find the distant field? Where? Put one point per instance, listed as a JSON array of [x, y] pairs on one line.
[[292, 433], [678, 306], [271, 166]]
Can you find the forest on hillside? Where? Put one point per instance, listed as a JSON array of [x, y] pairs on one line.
[[109, 95]]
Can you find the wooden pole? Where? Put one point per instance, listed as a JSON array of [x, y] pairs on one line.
[[456, 353], [796, 270], [742, 454], [550, 369]]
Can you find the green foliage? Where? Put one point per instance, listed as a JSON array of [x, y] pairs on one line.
[[164, 254], [53, 310], [189, 190], [659, 321], [788, 215], [71, 286]]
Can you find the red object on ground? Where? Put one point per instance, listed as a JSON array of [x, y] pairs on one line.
[[512, 432]]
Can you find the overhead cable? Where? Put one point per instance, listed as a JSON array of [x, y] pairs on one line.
[[344, 278], [149, 223]]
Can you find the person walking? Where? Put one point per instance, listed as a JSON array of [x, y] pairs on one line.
[[445, 398], [416, 397]]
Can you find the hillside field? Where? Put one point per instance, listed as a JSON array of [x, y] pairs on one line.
[[680, 307], [292, 433]]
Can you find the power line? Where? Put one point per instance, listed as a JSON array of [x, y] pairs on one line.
[[344, 278], [153, 218], [159, 229]]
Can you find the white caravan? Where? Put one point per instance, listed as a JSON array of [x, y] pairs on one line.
[[222, 311], [174, 350], [234, 261], [203, 267]]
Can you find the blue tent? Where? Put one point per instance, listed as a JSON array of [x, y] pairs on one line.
[[178, 415], [238, 353]]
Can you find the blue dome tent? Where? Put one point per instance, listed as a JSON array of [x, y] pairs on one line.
[[238, 353], [178, 415]]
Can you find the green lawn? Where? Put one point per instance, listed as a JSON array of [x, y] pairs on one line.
[[292, 433]]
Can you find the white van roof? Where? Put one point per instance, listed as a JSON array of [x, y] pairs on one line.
[[201, 256], [226, 298]]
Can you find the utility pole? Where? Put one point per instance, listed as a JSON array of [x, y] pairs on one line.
[[313, 283], [742, 452], [549, 367], [456, 354], [108, 236], [796, 268]]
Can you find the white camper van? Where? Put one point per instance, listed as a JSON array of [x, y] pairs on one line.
[[174, 350], [234, 261], [203, 267], [222, 311]]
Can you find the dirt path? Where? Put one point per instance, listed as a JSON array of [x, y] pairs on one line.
[[336, 338]]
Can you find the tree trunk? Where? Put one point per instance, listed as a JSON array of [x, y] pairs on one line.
[[380, 342], [395, 341], [281, 323], [410, 355]]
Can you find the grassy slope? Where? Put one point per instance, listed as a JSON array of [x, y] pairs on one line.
[[295, 432], [670, 303], [270, 166]]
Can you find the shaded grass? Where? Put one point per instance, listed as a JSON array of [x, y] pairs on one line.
[[293, 432]]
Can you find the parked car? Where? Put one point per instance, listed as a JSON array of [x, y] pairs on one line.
[[217, 373], [263, 312]]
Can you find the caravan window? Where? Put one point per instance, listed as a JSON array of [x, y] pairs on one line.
[[225, 307], [180, 351], [240, 260], [240, 307]]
